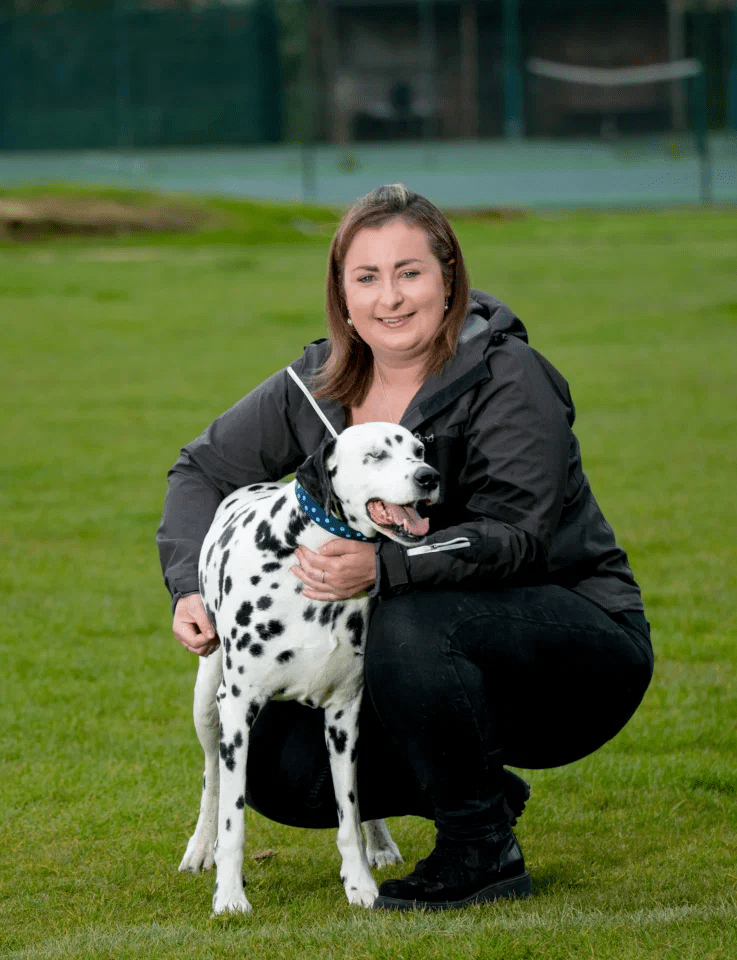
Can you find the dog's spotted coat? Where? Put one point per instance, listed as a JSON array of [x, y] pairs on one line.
[[277, 644]]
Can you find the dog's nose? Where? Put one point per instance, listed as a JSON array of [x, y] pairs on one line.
[[427, 478]]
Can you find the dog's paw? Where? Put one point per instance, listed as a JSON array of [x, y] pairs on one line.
[[233, 902], [384, 856], [362, 894], [198, 856]]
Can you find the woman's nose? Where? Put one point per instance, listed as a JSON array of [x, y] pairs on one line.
[[390, 294]]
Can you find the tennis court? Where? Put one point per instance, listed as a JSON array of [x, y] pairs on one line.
[[653, 171]]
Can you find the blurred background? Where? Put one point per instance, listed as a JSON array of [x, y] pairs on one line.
[[476, 103]]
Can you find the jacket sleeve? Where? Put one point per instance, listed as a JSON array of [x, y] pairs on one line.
[[511, 485], [253, 442]]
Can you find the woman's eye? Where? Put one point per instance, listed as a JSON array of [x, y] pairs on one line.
[[411, 273], [365, 279]]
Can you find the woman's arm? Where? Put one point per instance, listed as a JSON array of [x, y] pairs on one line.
[[263, 437]]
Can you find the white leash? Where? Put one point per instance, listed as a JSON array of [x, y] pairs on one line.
[[313, 402]]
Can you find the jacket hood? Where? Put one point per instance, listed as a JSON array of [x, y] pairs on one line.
[[487, 313]]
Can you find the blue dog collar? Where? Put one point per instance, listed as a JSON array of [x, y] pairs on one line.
[[337, 527]]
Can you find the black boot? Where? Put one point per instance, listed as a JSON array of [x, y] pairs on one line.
[[457, 874]]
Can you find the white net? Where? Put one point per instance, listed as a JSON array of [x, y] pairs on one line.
[[570, 99]]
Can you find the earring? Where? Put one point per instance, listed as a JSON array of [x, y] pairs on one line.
[[350, 322], [446, 305]]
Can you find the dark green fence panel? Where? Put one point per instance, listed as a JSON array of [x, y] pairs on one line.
[[140, 78]]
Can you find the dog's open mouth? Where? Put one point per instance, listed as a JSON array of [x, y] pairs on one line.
[[402, 518]]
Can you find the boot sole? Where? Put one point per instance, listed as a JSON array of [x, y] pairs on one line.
[[515, 887]]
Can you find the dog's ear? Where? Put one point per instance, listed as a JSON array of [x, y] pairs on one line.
[[313, 475]]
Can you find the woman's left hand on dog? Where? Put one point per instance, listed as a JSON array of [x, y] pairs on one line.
[[339, 570]]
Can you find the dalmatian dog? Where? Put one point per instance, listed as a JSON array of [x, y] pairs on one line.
[[277, 644]]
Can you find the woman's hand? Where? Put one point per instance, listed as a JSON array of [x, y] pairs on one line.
[[192, 627], [339, 570]]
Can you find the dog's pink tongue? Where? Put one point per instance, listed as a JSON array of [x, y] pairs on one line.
[[408, 518]]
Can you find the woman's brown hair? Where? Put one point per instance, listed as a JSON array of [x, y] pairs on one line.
[[347, 373]]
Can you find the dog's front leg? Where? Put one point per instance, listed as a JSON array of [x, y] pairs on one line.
[[238, 711], [341, 735], [199, 853]]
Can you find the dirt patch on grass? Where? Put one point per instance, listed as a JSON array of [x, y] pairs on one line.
[[33, 218]]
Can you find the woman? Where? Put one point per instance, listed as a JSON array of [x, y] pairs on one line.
[[516, 635]]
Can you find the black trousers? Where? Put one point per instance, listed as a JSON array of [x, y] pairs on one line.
[[459, 683]]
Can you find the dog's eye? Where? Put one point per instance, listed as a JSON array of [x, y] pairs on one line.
[[378, 454], [419, 452]]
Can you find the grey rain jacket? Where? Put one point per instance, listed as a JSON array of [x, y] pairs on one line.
[[516, 506]]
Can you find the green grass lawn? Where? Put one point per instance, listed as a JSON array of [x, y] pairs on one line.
[[115, 352]]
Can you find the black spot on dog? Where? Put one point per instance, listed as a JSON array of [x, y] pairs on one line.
[[238, 738], [253, 709], [339, 714], [285, 656], [266, 541], [339, 738], [209, 554], [387, 441], [228, 663], [211, 615], [337, 610], [308, 613], [297, 523], [240, 802], [325, 614], [226, 644], [235, 691], [299, 588], [234, 633], [355, 625], [241, 668], [227, 824], [398, 437], [277, 506], [227, 753], [249, 518], [243, 642], [352, 797], [271, 567], [256, 650], [201, 581], [227, 535], [243, 617], [263, 603], [204, 781], [256, 580], [275, 586], [230, 503], [269, 630], [340, 820], [256, 486]]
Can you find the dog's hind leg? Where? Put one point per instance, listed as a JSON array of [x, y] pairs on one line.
[[381, 850], [238, 711], [341, 735], [199, 853]]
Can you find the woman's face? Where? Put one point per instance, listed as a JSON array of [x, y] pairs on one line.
[[394, 290]]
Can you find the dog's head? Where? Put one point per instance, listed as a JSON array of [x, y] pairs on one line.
[[374, 477]]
